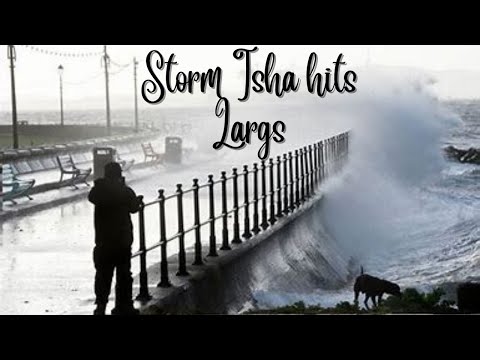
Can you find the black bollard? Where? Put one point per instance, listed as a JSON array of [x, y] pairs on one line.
[[247, 233], [272, 193], [264, 197], [279, 187], [285, 185], [196, 214], [164, 281], [256, 228], [236, 225], [182, 265], [225, 244], [212, 251]]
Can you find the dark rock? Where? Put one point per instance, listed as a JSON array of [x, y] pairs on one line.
[[468, 298], [471, 156]]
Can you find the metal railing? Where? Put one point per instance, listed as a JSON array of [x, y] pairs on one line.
[[293, 179]]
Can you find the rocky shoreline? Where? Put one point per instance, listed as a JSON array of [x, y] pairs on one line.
[[446, 298], [470, 156]]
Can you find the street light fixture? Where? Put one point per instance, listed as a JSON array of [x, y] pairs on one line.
[[60, 73]]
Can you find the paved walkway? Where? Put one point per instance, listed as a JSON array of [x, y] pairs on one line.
[[50, 196], [63, 195], [46, 258]]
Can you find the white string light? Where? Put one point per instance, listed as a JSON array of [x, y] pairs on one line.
[[44, 51], [122, 66], [120, 70], [62, 53]]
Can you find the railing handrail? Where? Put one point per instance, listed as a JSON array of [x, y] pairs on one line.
[[313, 163], [155, 201]]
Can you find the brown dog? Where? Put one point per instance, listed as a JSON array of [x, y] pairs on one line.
[[374, 287]]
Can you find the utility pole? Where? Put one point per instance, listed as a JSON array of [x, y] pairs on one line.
[[135, 63], [106, 60], [13, 56], [60, 72]]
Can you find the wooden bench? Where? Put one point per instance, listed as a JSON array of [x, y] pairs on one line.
[[14, 187], [150, 153], [67, 167]]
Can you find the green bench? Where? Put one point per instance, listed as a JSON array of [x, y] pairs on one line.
[[14, 187]]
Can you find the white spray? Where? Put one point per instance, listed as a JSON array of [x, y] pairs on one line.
[[396, 148]]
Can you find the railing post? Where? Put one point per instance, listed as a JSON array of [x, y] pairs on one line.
[[285, 184], [315, 161], [164, 281], [297, 181], [272, 193], [196, 211], [326, 158], [264, 197], [330, 157], [306, 174], [343, 148], [213, 239], [256, 228], [143, 295], [182, 265], [346, 145], [236, 226], [348, 142], [247, 233], [279, 187], [322, 161], [225, 244], [323, 145], [335, 144], [334, 150], [334, 155], [319, 167], [340, 149], [337, 155], [312, 172], [290, 170], [302, 177]]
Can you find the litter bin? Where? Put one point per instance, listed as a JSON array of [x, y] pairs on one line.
[[173, 150], [101, 157]]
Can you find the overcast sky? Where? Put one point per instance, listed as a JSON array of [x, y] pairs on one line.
[[457, 69]]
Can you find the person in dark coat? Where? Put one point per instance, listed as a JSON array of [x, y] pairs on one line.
[[114, 202]]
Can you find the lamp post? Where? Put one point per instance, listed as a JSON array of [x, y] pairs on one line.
[[106, 60], [60, 73], [12, 57], [135, 64]]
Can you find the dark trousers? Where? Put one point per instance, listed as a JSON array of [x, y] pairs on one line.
[[107, 260]]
